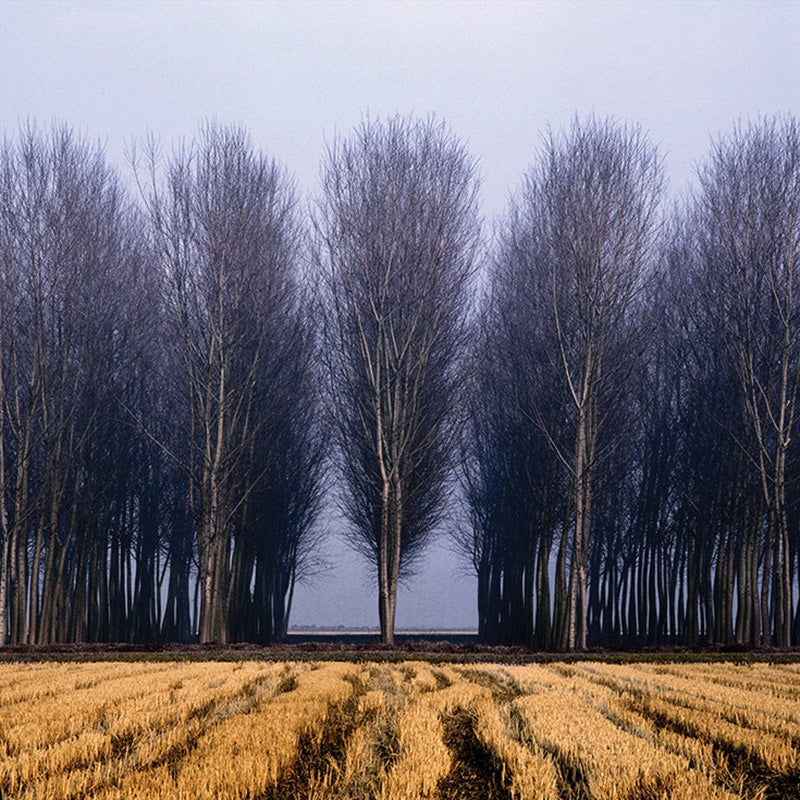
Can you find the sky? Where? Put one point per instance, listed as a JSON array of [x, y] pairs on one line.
[[296, 74]]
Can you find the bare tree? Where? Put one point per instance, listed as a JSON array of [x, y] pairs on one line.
[[227, 233], [68, 242], [398, 236], [575, 253], [748, 212], [512, 486], [274, 538]]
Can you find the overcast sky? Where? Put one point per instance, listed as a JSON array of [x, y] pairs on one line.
[[498, 73]]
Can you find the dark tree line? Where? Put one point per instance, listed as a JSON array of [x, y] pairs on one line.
[[616, 389], [635, 409], [161, 459], [225, 235]]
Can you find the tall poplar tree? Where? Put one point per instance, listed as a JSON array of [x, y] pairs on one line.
[[398, 239]]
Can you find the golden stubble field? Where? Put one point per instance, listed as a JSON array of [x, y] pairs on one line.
[[409, 730]]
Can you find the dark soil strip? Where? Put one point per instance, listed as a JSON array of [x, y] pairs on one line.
[[442, 681], [476, 773], [319, 747], [362, 648], [747, 770], [287, 683], [502, 686], [572, 783]]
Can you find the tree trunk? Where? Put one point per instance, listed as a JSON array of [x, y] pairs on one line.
[[543, 629], [561, 604]]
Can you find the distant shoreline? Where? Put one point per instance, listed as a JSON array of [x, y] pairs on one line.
[[345, 631]]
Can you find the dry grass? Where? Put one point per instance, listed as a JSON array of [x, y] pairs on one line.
[[402, 731]]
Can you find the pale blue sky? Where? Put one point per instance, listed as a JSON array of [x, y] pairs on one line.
[[497, 72]]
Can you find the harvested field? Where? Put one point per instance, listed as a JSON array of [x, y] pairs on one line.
[[308, 729]]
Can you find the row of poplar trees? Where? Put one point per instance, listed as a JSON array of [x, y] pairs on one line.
[[631, 458], [597, 404]]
